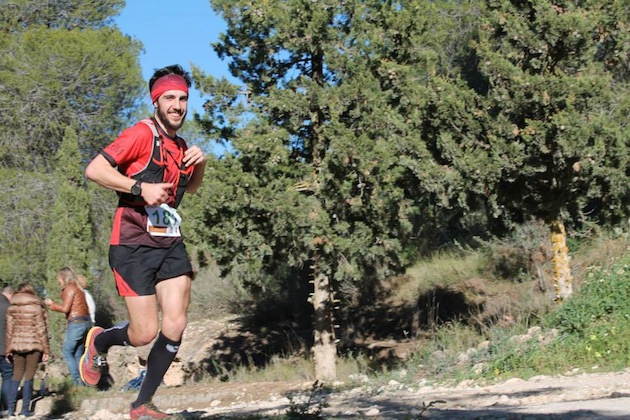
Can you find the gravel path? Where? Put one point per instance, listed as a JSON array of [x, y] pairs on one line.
[[571, 397]]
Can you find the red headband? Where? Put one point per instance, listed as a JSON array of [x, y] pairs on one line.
[[168, 82]]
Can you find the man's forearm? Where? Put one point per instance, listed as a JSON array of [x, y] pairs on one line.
[[104, 174], [196, 179]]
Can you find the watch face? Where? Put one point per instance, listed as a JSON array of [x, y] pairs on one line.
[[136, 189]]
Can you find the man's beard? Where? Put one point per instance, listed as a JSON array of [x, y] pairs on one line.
[[163, 117]]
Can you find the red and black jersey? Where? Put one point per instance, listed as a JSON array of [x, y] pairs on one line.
[[146, 153]]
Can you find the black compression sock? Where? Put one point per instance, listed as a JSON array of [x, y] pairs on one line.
[[160, 358], [114, 336]]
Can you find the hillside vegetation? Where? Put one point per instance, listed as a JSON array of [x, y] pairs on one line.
[[452, 317]]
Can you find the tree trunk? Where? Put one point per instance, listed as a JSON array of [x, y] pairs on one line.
[[562, 279], [324, 345]]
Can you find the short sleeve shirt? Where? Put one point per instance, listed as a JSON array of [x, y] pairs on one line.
[[131, 153]]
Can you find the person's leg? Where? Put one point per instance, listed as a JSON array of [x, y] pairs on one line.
[[19, 364], [143, 319], [12, 401], [81, 332], [118, 335], [134, 270], [74, 338], [32, 359], [138, 331], [6, 372], [30, 366], [27, 393], [173, 296]]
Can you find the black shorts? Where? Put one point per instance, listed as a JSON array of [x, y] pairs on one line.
[[137, 268]]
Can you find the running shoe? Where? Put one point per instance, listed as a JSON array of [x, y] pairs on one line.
[[148, 411], [92, 361]]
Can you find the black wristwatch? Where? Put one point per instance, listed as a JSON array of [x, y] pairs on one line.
[[136, 190]]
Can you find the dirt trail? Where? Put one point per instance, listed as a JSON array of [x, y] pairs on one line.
[[579, 396], [575, 396]]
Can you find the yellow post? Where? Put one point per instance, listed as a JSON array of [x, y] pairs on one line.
[[562, 278]]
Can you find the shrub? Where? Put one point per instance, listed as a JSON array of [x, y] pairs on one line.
[[520, 256]]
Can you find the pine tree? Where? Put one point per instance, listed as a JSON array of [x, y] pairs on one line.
[[316, 190], [70, 238], [555, 128], [62, 64]]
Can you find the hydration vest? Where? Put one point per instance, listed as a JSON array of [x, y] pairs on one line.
[[154, 171]]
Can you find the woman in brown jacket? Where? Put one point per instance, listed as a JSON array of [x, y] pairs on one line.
[[78, 321], [27, 343]]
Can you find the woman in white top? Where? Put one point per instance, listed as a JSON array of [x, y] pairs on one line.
[[82, 282]]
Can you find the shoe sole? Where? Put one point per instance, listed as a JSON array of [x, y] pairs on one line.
[[85, 352], [150, 417]]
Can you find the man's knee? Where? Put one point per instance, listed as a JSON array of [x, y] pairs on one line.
[[173, 328], [141, 336]]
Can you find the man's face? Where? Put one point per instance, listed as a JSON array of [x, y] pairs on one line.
[[171, 109]]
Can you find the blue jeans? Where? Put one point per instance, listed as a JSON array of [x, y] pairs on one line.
[[73, 347], [6, 372]]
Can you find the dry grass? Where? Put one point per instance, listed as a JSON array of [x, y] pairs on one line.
[[600, 251], [212, 294], [443, 270]]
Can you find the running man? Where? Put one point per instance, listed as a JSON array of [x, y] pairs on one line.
[[150, 167]]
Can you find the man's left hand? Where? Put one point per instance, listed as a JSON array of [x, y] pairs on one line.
[[193, 156]]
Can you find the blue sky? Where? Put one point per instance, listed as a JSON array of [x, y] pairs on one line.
[[175, 32]]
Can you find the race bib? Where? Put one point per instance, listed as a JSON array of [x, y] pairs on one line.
[[163, 221]]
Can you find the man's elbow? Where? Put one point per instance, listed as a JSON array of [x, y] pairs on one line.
[[90, 173], [96, 168]]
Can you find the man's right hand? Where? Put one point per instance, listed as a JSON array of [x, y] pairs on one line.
[[156, 194]]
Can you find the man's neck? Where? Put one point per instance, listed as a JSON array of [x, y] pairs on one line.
[[170, 133]]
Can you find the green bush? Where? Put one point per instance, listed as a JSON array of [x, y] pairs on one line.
[[601, 303]]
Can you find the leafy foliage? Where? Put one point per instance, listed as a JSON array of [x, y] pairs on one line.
[[555, 135], [404, 126], [19, 15], [55, 79], [70, 240], [64, 69], [592, 326], [521, 255], [601, 301], [328, 113], [26, 225]]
